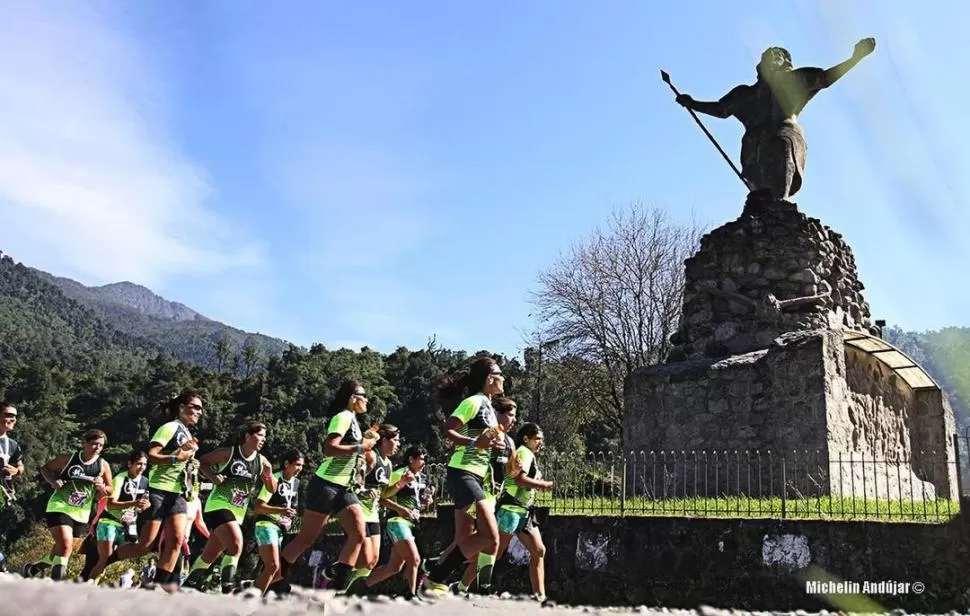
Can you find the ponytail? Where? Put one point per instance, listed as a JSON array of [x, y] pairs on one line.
[[456, 387], [172, 404], [451, 390]]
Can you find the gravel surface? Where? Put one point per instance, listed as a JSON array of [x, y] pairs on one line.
[[42, 597]]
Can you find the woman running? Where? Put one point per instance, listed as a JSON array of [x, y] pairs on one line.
[[330, 493], [129, 497], [473, 428], [516, 514], [506, 412], [89, 546], [403, 497], [78, 479], [378, 474], [170, 449], [193, 518], [234, 472], [275, 513], [11, 455]]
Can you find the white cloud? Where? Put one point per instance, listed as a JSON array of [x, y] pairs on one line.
[[90, 184]]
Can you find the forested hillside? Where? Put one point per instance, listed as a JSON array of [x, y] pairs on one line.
[[39, 324], [173, 327], [67, 370]]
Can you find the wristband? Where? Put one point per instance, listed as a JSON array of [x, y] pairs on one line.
[[359, 448], [471, 442], [173, 459]]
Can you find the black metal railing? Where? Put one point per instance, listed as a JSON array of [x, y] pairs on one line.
[[803, 484]]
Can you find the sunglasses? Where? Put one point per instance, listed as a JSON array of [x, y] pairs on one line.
[[195, 407], [361, 394], [10, 416]]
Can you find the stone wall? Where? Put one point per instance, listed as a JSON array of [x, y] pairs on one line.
[[835, 420], [875, 415], [771, 248], [744, 564], [768, 399]]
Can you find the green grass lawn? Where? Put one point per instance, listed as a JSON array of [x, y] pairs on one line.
[[824, 508]]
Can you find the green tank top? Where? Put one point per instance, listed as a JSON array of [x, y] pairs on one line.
[[287, 494], [75, 497], [498, 458], [170, 477], [377, 479], [241, 476], [126, 488], [477, 415], [512, 492], [409, 496], [340, 469]]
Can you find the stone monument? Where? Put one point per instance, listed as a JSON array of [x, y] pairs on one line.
[[776, 368]]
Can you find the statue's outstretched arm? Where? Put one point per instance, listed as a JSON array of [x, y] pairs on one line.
[[722, 108], [818, 79]]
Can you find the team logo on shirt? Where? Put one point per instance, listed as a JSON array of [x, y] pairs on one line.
[[355, 430], [75, 472], [77, 498], [181, 437], [488, 416], [131, 488], [239, 497], [285, 489], [240, 469], [381, 475]]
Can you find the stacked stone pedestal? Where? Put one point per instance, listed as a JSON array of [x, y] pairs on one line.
[[771, 248], [760, 398]]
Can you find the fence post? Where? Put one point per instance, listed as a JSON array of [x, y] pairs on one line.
[[956, 455], [623, 488], [784, 490]]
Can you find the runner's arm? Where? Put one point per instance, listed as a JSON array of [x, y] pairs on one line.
[[269, 480], [105, 488], [15, 465], [199, 523], [212, 460], [53, 468]]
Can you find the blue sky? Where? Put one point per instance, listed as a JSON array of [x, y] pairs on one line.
[[375, 173]]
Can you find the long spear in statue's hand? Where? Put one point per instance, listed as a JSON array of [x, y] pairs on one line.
[[666, 78]]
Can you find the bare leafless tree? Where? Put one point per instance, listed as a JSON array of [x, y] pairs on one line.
[[614, 299]]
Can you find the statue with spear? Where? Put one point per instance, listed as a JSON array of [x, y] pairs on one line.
[[773, 147]]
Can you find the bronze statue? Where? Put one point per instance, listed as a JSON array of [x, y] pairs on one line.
[[773, 147]]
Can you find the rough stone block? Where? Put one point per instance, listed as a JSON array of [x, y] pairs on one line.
[[809, 416]]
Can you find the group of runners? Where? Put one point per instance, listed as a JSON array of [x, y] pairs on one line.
[[155, 502]]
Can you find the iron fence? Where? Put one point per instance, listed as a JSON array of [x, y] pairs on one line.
[[799, 484]]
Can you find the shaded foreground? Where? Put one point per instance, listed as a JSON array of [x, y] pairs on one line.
[[46, 598]]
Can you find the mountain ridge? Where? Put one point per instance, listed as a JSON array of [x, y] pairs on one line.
[[127, 294], [178, 329]]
